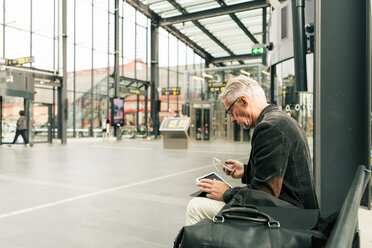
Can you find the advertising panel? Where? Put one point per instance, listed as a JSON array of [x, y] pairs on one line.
[[118, 112]]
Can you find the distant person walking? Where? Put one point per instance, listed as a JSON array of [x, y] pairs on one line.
[[106, 129], [21, 129]]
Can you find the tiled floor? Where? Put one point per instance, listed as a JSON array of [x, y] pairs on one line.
[[131, 193], [365, 227]]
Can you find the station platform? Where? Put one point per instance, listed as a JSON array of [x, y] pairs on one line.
[[93, 193]]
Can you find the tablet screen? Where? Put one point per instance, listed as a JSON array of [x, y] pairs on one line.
[[212, 176]]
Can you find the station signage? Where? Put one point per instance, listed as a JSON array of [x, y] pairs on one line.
[[135, 91], [170, 91], [258, 50], [21, 61], [216, 86]]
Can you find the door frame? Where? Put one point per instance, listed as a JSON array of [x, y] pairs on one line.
[[50, 121], [202, 106], [26, 109]]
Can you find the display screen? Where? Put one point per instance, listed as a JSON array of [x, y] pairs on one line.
[[118, 111], [177, 123]]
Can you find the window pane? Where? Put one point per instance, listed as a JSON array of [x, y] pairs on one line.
[[18, 14], [17, 43], [42, 49], [42, 17], [83, 23]]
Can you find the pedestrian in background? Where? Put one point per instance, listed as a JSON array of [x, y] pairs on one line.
[[21, 129]]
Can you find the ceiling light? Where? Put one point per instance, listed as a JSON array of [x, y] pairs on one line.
[[207, 75], [245, 72], [199, 78]]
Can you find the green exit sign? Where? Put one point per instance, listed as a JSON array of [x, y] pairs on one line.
[[259, 50]]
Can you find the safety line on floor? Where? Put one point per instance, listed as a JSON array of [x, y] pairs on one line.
[[13, 213], [101, 192], [123, 148]]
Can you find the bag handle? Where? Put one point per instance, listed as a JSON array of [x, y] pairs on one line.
[[247, 214]]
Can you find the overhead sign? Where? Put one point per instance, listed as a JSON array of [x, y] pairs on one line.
[[170, 91], [21, 61], [134, 91], [216, 86], [258, 50]]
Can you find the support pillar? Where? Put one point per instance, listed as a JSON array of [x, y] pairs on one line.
[[342, 98], [116, 63], [272, 85], [299, 44], [264, 34], [146, 105], [62, 91], [155, 106]]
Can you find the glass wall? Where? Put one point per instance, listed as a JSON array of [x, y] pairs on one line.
[[207, 84], [202, 88], [36, 30], [175, 60], [299, 105]]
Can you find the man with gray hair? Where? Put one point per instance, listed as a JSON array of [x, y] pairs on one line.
[[279, 162]]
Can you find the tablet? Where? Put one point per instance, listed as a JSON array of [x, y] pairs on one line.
[[212, 176]]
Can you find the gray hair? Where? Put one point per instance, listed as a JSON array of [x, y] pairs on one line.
[[240, 86]]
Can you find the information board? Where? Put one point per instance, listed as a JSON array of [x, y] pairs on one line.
[[174, 132], [175, 124]]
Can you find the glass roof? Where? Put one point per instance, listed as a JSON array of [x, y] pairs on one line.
[[221, 35]]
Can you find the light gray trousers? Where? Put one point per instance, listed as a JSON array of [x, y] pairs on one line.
[[202, 208]]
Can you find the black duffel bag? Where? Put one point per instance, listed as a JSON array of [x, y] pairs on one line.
[[250, 226]]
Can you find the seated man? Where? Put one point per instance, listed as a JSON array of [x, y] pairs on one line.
[[279, 162]]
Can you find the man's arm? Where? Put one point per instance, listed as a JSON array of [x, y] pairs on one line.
[[269, 159]]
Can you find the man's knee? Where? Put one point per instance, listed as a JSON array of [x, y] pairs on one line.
[[201, 208], [193, 207]]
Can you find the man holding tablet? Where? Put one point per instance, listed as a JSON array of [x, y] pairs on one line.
[[279, 162]]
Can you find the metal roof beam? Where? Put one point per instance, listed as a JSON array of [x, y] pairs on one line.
[[224, 10], [155, 18], [198, 49], [239, 23], [235, 57], [203, 29], [134, 80], [144, 9]]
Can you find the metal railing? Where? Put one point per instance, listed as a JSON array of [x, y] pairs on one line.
[[343, 232]]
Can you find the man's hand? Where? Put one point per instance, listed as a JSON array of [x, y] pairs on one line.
[[237, 168], [213, 188]]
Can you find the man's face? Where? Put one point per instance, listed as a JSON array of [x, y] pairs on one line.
[[240, 112]]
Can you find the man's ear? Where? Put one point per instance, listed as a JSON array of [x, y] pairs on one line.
[[244, 100]]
